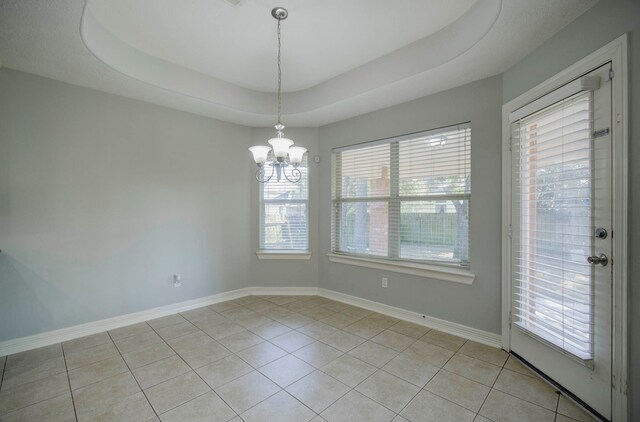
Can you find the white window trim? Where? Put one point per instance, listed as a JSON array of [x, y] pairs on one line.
[[283, 254], [617, 53], [435, 271]]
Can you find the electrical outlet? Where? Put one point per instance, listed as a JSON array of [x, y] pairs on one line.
[[385, 282], [177, 280]]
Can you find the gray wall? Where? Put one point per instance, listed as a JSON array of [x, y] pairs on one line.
[[287, 273], [477, 305], [103, 198], [603, 23]]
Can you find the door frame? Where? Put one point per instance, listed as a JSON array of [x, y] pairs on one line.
[[615, 52]]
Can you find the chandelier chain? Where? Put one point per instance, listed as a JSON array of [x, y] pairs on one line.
[[279, 75]]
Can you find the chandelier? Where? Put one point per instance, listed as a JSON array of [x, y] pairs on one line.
[[284, 154]]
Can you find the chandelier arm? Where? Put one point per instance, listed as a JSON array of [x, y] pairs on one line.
[[260, 175], [296, 175]]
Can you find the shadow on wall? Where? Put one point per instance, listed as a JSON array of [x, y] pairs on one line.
[[20, 285]]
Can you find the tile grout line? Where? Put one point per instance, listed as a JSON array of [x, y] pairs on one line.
[[128, 367], [73, 402], [471, 379], [314, 368], [85, 349], [4, 370], [333, 402], [419, 388], [557, 406], [434, 375], [281, 389], [516, 397], [112, 342], [288, 354], [524, 400], [296, 399], [131, 372], [377, 369], [356, 358], [40, 379], [194, 369], [382, 369], [520, 398], [95, 363], [343, 312], [231, 353], [492, 384], [403, 407], [363, 381], [92, 363]]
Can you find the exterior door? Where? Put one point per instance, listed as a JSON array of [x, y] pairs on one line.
[[561, 261]]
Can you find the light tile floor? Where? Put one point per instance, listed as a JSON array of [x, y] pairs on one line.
[[275, 358]]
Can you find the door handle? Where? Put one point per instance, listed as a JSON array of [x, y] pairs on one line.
[[598, 260]]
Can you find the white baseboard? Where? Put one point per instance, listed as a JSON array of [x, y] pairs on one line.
[[480, 336], [51, 337], [64, 334], [283, 291]]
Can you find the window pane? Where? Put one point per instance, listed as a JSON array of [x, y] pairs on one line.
[[553, 206], [436, 164], [285, 226], [365, 172], [284, 216], [435, 230], [363, 228]]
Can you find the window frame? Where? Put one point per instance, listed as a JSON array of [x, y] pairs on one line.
[[276, 253], [449, 271]]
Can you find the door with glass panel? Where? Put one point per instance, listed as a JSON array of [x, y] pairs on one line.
[[561, 232]]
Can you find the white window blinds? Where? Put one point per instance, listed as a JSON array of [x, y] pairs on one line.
[[552, 220], [405, 198], [284, 214]]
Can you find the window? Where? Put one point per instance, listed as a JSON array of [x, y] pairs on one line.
[[284, 213], [405, 198]]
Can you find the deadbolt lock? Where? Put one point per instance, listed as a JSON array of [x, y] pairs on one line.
[[601, 233]]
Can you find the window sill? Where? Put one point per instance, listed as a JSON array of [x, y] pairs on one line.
[[438, 272], [283, 254]]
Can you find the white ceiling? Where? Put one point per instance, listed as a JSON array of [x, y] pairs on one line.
[[340, 58], [321, 40]]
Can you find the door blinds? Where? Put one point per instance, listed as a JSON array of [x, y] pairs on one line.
[[552, 224]]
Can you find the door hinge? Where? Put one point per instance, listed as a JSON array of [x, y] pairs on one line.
[[610, 73], [510, 230], [510, 318], [510, 143]]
